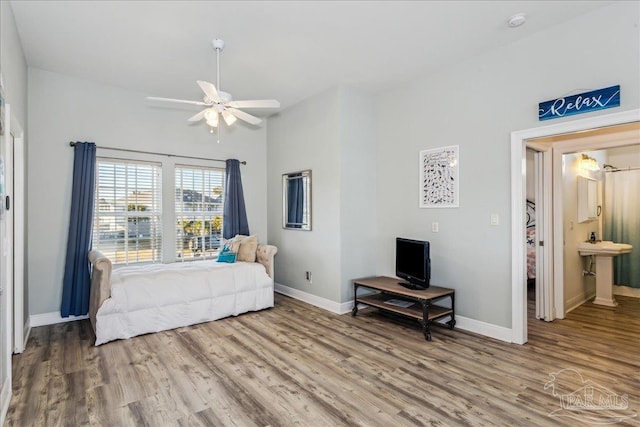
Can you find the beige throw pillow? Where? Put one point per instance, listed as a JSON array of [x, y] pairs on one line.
[[234, 243], [247, 248]]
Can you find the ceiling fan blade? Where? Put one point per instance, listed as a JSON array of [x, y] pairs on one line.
[[210, 90], [198, 117], [258, 103], [244, 116], [181, 101]]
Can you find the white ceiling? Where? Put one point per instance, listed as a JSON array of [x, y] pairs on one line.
[[287, 50]]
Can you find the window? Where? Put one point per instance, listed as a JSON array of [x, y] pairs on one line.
[[127, 220], [199, 210]]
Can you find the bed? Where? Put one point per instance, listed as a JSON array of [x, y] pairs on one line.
[[135, 300]]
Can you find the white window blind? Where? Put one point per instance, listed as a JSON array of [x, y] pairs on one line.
[[199, 210], [127, 224]]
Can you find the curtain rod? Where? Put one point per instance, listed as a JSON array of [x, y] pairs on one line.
[[72, 144], [616, 169]]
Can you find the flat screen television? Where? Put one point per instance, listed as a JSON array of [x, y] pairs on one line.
[[413, 263]]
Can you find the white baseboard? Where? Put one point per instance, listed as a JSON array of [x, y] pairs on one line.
[[626, 291], [476, 326], [27, 333], [323, 303], [5, 400], [44, 319], [482, 328], [577, 301]]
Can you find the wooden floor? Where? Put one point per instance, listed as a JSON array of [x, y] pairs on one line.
[[297, 365]]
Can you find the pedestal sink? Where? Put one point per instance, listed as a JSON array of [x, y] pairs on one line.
[[604, 252]]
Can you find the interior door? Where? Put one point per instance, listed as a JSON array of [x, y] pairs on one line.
[[543, 190], [4, 301]]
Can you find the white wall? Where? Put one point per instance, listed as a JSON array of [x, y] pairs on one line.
[[476, 104], [624, 157], [63, 109]]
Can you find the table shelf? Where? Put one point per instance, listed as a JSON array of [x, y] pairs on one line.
[[422, 309]]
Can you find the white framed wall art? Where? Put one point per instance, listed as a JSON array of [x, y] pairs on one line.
[[439, 182]]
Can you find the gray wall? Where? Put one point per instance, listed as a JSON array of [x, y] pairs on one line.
[[331, 134], [306, 136], [476, 104], [63, 109], [13, 65], [358, 190]]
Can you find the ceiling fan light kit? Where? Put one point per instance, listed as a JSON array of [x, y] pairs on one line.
[[219, 103]]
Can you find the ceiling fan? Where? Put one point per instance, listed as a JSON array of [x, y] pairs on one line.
[[219, 103]]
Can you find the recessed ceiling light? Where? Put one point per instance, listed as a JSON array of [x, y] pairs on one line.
[[516, 20]]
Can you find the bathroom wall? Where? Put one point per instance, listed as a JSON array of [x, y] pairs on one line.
[[624, 157], [578, 288]]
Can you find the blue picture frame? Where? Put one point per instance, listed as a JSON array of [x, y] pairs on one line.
[[599, 99]]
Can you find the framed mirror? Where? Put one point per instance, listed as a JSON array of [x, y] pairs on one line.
[[296, 200]]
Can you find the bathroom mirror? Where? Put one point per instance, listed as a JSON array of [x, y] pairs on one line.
[[296, 200], [587, 199]]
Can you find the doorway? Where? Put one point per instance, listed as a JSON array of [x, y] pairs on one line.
[[519, 140]]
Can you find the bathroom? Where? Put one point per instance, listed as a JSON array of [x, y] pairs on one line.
[[614, 174]]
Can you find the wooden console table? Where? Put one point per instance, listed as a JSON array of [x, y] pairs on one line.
[[422, 306]]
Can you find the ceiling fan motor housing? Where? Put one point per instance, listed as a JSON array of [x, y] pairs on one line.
[[218, 44]]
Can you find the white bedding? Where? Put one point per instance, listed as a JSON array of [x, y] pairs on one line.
[[158, 297]]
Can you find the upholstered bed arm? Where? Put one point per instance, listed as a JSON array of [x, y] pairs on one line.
[[100, 283], [265, 255]]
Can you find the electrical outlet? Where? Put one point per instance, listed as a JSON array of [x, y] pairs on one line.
[[308, 277], [495, 219], [435, 227]]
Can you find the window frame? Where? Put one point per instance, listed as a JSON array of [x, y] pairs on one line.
[[126, 217], [205, 245]]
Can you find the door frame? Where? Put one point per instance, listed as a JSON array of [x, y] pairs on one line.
[[518, 209], [18, 197], [6, 300]]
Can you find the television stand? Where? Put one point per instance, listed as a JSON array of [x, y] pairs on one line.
[[417, 304]]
